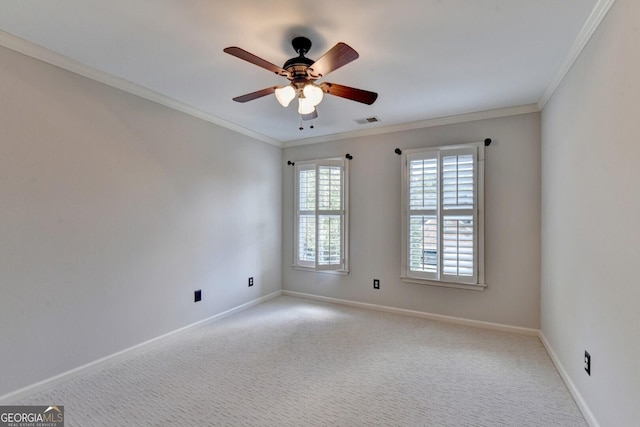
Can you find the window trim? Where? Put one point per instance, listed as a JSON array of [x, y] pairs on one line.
[[315, 164], [405, 273]]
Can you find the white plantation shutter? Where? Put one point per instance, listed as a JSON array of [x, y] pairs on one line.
[[423, 215], [440, 193], [306, 215], [321, 214], [423, 244], [458, 247], [458, 181], [329, 215], [459, 215]]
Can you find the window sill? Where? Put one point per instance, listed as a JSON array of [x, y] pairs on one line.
[[313, 270], [477, 287]]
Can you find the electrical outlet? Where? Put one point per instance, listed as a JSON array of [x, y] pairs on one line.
[[376, 283], [587, 362], [197, 295], [250, 281]]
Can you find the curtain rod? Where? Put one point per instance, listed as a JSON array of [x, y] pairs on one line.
[[487, 142], [347, 156]]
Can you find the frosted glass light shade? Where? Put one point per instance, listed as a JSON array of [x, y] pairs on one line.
[[285, 95], [313, 93], [305, 106]]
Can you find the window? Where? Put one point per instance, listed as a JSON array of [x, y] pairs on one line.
[[321, 220], [443, 232]]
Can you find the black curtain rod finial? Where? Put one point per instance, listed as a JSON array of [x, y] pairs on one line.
[[349, 156], [290, 163], [397, 151], [487, 142]]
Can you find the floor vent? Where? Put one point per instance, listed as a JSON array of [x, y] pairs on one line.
[[367, 120]]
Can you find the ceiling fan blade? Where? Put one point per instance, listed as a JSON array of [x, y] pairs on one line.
[[339, 55], [310, 116], [257, 94], [250, 57], [351, 93]]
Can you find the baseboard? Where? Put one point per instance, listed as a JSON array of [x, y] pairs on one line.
[[582, 405], [421, 314], [27, 391]]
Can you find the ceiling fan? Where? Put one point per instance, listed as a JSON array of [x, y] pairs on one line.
[[302, 72]]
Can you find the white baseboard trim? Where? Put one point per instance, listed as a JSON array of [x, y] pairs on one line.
[[421, 314], [582, 405], [27, 391]]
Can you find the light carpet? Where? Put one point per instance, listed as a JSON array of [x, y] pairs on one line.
[[294, 362]]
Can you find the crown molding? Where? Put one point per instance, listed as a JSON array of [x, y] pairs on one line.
[[593, 22], [438, 121], [45, 55], [58, 60]]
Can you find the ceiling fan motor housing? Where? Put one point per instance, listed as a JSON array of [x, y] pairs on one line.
[[301, 45], [297, 67]]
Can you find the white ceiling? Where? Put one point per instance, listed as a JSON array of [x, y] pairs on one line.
[[425, 58]]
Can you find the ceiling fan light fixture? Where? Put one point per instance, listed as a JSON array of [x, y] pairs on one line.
[[313, 93], [285, 95], [305, 106]]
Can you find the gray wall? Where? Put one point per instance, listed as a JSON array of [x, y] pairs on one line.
[[590, 212], [512, 223], [113, 210]]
